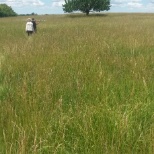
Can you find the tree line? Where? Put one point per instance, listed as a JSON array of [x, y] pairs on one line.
[[6, 11], [84, 6]]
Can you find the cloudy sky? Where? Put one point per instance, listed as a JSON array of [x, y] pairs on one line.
[[55, 6]]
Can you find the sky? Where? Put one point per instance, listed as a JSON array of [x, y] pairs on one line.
[[55, 6]]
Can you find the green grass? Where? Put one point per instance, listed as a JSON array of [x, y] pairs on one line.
[[81, 85]]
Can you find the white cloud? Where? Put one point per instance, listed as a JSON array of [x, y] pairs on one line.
[[135, 5], [57, 3], [131, 4], [19, 3], [150, 6]]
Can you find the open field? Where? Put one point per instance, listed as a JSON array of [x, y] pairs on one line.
[[81, 85]]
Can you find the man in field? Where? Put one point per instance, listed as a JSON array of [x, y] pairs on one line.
[[34, 25]]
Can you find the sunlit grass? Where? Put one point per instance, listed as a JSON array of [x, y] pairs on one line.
[[80, 85]]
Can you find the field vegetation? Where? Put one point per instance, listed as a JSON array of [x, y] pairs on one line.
[[81, 85]]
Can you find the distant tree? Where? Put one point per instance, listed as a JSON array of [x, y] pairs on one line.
[[86, 6], [33, 13], [6, 11]]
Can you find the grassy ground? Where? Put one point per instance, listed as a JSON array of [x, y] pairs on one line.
[[81, 85]]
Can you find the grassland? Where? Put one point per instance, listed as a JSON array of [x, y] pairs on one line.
[[81, 85]]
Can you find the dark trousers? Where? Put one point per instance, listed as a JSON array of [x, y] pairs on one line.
[[35, 30], [29, 33]]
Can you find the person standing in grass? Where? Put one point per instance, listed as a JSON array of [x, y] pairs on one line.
[[29, 27], [34, 25]]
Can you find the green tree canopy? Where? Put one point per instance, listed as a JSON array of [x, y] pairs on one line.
[[86, 6], [6, 11]]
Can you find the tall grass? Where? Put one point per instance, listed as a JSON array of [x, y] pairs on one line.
[[80, 85]]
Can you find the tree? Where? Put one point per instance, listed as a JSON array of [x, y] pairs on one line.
[[6, 11], [86, 6]]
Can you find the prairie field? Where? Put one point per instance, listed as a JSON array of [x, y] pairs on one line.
[[80, 85]]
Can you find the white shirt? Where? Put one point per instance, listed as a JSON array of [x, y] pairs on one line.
[[29, 26]]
